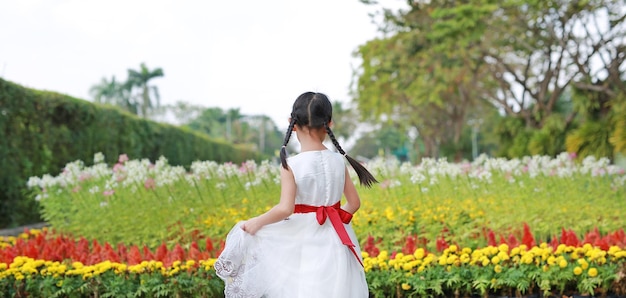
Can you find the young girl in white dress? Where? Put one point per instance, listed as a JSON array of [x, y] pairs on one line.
[[304, 246]]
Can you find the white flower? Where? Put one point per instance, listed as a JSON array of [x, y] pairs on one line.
[[98, 158]]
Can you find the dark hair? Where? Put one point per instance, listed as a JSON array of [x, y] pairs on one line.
[[314, 110]]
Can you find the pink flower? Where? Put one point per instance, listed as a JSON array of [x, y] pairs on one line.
[[385, 184], [84, 176], [76, 189], [149, 184], [118, 167], [572, 155], [123, 158], [108, 192]]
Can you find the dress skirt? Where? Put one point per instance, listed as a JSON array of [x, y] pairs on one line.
[[296, 257]]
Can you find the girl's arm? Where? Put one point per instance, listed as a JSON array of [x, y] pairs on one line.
[[282, 210], [352, 196]]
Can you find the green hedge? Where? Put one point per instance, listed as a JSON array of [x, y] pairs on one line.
[[42, 131]]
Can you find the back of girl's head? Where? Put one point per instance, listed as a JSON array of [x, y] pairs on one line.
[[314, 110]]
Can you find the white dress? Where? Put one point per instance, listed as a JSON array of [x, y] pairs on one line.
[[297, 257]]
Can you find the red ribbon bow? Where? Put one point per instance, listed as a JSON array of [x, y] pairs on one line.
[[337, 217]]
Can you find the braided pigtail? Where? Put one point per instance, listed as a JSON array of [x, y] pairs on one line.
[[283, 149], [365, 177]]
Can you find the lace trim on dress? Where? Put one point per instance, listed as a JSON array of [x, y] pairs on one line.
[[236, 266]]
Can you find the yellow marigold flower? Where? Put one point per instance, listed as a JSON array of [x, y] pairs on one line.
[[495, 260], [583, 263], [551, 260], [453, 248], [598, 254], [419, 253], [364, 254], [451, 259], [442, 261], [515, 251], [527, 259], [466, 250], [497, 268], [562, 263], [406, 286], [578, 270], [429, 259], [486, 261], [613, 250], [408, 258], [465, 258], [545, 268], [593, 272], [503, 247]]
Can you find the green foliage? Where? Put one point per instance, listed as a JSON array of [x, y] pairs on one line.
[[42, 131], [591, 139], [257, 132], [439, 60], [513, 137], [162, 203], [199, 283], [618, 137], [550, 139]]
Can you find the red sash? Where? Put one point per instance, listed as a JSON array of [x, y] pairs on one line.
[[337, 217]]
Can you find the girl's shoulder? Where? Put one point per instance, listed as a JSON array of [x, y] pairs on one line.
[[314, 155]]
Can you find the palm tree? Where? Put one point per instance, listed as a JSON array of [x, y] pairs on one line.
[[107, 92], [140, 79], [114, 93]]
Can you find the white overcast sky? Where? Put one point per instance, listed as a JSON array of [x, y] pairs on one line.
[[254, 55]]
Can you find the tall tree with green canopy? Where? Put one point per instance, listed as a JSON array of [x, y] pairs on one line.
[[258, 132], [537, 51], [527, 54], [107, 91], [406, 78], [141, 79], [115, 93]]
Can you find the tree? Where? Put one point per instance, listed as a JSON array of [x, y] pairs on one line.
[[106, 92], [114, 93], [141, 79], [519, 56], [406, 78], [258, 132]]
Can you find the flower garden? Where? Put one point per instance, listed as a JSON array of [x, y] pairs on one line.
[[530, 227]]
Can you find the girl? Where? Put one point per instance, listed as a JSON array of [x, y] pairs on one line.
[[304, 246]]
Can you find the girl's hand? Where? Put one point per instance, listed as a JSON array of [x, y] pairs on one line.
[[252, 226]]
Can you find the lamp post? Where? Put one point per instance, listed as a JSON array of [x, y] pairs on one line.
[[475, 124]]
